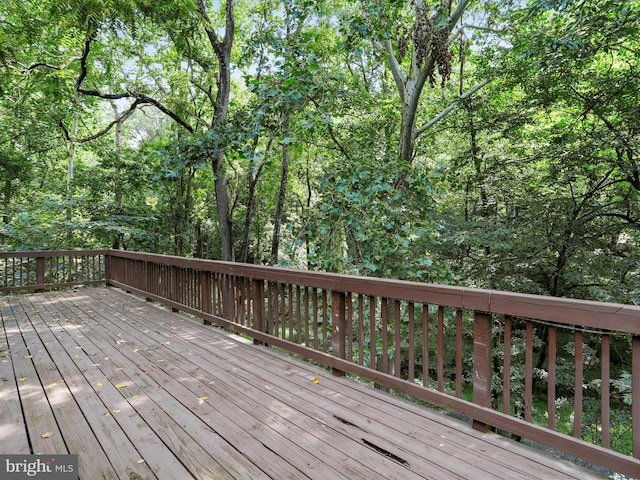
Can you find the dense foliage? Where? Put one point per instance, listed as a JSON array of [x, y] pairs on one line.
[[480, 143]]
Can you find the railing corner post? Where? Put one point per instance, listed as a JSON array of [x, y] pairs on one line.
[[257, 291], [107, 269], [40, 266], [339, 327], [482, 365]]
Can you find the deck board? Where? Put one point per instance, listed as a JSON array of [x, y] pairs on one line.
[[140, 392]]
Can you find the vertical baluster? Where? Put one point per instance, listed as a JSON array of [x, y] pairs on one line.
[[605, 393], [425, 345], [349, 327], [360, 330], [459, 353], [384, 335], [314, 300], [325, 322], [528, 372], [338, 322], [306, 316], [397, 354], [298, 316], [270, 307], [551, 385], [506, 367], [412, 342], [635, 394], [258, 307], [440, 346], [372, 333], [291, 335], [579, 378], [280, 311]]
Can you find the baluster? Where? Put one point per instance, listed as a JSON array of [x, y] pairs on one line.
[[440, 347], [579, 359], [338, 321], [412, 342], [528, 373], [459, 353], [605, 393], [551, 380], [506, 367], [425, 345]]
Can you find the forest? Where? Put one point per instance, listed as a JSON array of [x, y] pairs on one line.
[[483, 143]]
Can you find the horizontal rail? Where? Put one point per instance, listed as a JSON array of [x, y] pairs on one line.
[[494, 357]]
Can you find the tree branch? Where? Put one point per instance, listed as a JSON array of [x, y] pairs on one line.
[[448, 110], [139, 98]]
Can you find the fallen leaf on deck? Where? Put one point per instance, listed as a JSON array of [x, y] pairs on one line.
[[69, 321], [316, 380], [117, 410], [118, 369], [132, 398], [99, 384], [28, 356], [141, 461], [173, 327], [201, 400], [48, 434], [120, 385], [22, 379]]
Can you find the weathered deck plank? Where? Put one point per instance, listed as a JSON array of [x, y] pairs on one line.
[[13, 433], [123, 381]]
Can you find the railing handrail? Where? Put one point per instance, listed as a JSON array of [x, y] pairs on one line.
[[564, 311], [52, 253]]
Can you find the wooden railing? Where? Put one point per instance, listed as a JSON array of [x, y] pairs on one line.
[[538, 368], [46, 270]]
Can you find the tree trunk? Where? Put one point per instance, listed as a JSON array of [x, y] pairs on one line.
[[277, 218], [71, 156], [6, 199], [224, 211], [117, 187]]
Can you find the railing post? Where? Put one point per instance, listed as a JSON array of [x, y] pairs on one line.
[[40, 264], [635, 394], [257, 292], [482, 367], [339, 324], [205, 293], [107, 269]]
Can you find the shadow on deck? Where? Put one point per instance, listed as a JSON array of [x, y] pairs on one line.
[[139, 392]]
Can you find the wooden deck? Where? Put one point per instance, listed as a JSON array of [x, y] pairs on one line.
[[139, 392]]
